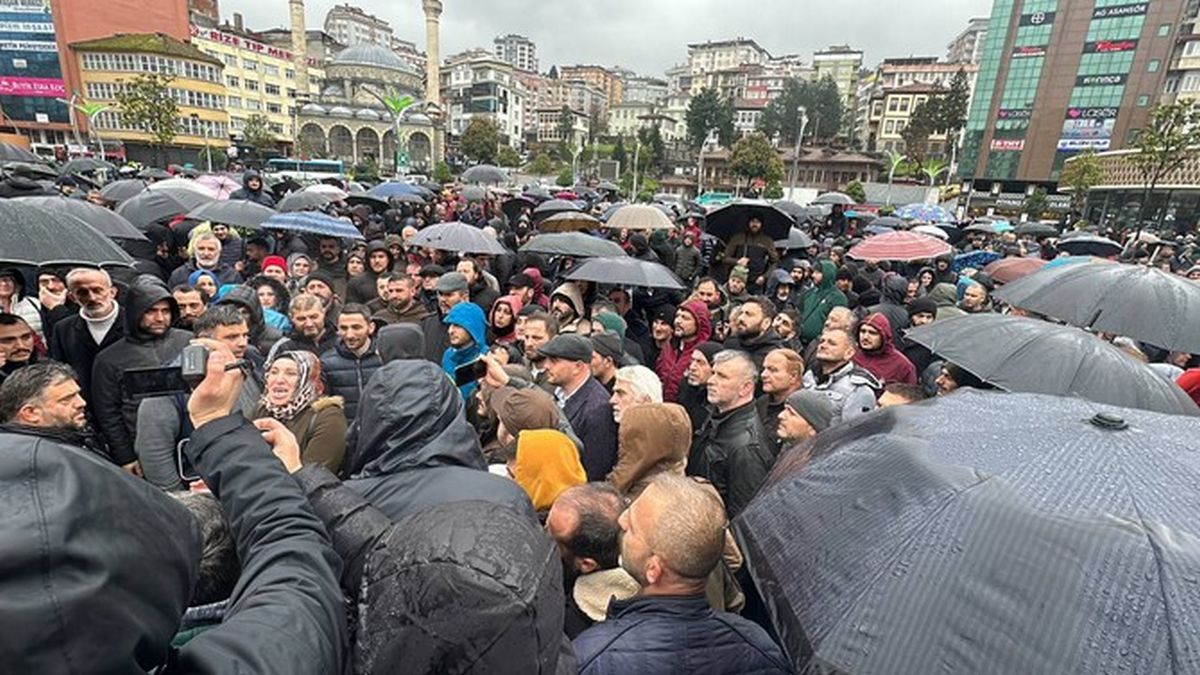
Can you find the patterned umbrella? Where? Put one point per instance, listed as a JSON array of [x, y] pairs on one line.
[[312, 222], [925, 213], [219, 185], [900, 246]]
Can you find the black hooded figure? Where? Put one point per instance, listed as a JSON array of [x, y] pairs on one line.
[[252, 190]]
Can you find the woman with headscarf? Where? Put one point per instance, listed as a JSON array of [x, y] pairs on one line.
[[299, 266], [293, 396], [206, 281], [502, 320]]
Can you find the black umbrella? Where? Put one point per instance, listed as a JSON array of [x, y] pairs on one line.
[[892, 222], [797, 240], [553, 206], [29, 169], [458, 237], [474, 193], [513, 207], [36, 235], [984, 532], [833, 198], [1034, 356], [85, 164], [485, 173], [303, 201], [122, 190], [733, 217], [1036, 230], [626, 272], [151, 207], [15, 153], [376, 204], [235, 212], [431, 187], [608, 187], [1140, 302], [191, 199], [574, 244], [107, 222], [537, 192], [1089, 244], [155, 174]]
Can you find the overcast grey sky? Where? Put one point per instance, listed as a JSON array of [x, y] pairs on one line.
[[651, 35]]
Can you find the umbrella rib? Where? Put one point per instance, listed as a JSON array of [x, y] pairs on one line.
[[1158, 563]]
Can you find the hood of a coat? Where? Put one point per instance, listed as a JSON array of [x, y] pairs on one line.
[[469, 316], [378, 246], [703, 318], [652, 438], [410, 416], [945, 295], [828, 274], [246, 297], [880, 323], [97, 568], [547, 464], [464, 587], [895, 289], [535, 275], [400, 341], [249, 175], [143, 292], [571, 293]]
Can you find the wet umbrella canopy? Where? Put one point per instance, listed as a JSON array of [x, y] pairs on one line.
[[35, 235], [312, 222], [901, 246], [1030, 355], [835, 198], [122, 190], [1009, 270], [1140, 302], [1088, 244], [732, 218], [303, 201], [107, 222], [626, 272], [151, 207], [797, 240], [485, 173], [639, 217], [568, 221], [238, 213], [574, 244], [457, 237], [985, 532], [553, 206]]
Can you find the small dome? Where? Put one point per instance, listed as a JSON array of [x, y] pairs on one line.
[[341, 111], [371, 55], [366, 114], [332, 90], [313, 109]]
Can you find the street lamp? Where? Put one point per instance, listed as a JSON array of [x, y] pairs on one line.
[[637, 148], [803, 112], [207, 150], [296, 106]]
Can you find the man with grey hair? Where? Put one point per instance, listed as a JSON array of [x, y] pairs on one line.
[[100, 322], [672, 537], [732, 449], [634, 385], [206, 255]]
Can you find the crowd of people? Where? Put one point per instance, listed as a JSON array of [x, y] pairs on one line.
[[570, 454]]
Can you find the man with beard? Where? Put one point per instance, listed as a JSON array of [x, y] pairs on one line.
[[692, 326], [361, 289], [149, 342], [402, 303], [540, 329], [16, 345], [332, 261], [192, 302], [752, 330], [349, 365], [481, 294], [311, 329], [754, 250], [583, 522], [467, 332], [566, 304], [252, 190], [975, 299], [819, 300], [452, 289], [709, 292], [78, 339], [206, 256], [45, 400], [851, 390], [672, 538]]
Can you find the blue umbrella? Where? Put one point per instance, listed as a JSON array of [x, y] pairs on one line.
[[312, 222], [387, 190], [974, 259], [925, 213]]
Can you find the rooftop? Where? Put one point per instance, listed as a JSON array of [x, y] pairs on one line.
[[145, 43], [366, 54]]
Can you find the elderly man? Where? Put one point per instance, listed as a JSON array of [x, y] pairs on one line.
[[732, 449], [672, 537], [635, 385], [100, 322], [206, 256], [851, 388], [584, 400]]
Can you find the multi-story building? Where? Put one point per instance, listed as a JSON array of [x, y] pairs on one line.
[[842, 64], [107, 64], [598, 76], [408, 50], [548, 120], [644, 90], [967, 46], [486, 87], [204, 12], [321, 47], [925, 75], [822, 169], [723, 55], [627, 118], [1183, 74], [675, 107], [260, 79], [891, 111], [31, 77], [747, 114], [1059, 77], [351, 25], [927, 70], [576, 95], [679, 79], [518, 51]]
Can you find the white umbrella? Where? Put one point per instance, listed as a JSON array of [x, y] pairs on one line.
[[185, 184], [332, 191], [932, 231]]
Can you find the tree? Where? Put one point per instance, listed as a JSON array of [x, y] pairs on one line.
[[480, 140], [1080, 174], [508, 157], [822, 104], [753, 157], [1167, 141], [367, 170], [566, 129], [706, 111], [257, 133], [922, 124], [894, 161], [1036, 204], [773, 191], [857, 192], [441, 173], [597, 125], [618, 153], [933, 169], [654, 151], [146, 103], [541, 165], [565, 177]]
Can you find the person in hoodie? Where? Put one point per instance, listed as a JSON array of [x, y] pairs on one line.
[[362, 288], [252, 190], [467, 330], [823, 297], [891, 302], [566, 304], [692, 326], [544, 461], [400, 341], [149, 342], [14, 300], [245, 298], [502, 320], [877, 353]]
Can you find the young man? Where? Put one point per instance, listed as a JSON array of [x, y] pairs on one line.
[[851, 389], [349, 365]]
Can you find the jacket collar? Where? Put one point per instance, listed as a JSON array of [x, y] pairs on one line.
[[680, 606]]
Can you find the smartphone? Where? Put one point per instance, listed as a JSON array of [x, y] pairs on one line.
[[186, 472], [143, 382], [470, 372]]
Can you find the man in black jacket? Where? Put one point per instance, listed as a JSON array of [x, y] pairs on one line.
[[207, 256], [452, 288], [752, 330], [349, 365], [100, 323], [262, 336], [252, 190], [108, 598], [584, 400], [732, 449], [149, 342], [311, 329]]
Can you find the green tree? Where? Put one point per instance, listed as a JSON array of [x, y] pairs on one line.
[[1080, 174], [654, 151], [257, 134], [932, 169], [953, 108], [922, 124], [480, 140], [367, 170], [753, 157], [706, 111], [618, 153], [773, 191], [508, 157], [1036, 204], [1167, 141], [146, 103], [857, 192], [442, 174], [565, 177], [541, 165], [821, 103], [566, 130], [597, 125]]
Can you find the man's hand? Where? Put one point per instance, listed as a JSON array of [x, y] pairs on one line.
[[133, 468], [495, 377], [51, 300], [744, 262], [282, 441], [216, 395]]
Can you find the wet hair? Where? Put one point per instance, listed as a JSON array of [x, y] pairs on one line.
[[28, 384], [219, 566], [188, 288], [597, 534]]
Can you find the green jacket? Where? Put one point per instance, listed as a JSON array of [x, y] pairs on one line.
[[819, 301]]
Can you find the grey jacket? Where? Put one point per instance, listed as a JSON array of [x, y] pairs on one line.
[[851, 389]]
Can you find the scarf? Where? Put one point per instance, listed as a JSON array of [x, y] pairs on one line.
[[306, 392]]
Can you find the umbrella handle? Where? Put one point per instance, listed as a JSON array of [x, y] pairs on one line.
[[1095, 318]]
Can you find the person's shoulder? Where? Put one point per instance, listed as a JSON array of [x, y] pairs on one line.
[[603, 640], [752, 634]]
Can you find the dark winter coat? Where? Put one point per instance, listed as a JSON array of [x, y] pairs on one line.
[[411, 445], [732, 452], [98, 567], [296, 341], [73, 345], [758, 348], [687, 263], [362, 289], [891, 304], [818, 302], [676, 634], [262, 336], [591, 416], [261, 195], [346, 374], [437, 337], [115, 412]]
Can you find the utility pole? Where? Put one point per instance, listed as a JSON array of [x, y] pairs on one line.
[[796, 157]]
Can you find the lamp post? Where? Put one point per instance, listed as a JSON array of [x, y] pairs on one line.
[[895, 161], [296, 106], [637, 148], [204, 128], [796, 156], [700, 170]]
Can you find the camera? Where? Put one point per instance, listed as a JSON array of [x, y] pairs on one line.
[[181, 379]]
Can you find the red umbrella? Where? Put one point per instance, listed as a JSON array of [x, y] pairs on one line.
[[901, 246], [1008, 270], [568, 195]]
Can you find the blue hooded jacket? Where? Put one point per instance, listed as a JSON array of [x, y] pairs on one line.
[[468, 316]]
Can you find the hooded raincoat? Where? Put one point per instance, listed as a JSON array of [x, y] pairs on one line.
[[469, 317], [547, 463], [885, 363], [674, 358], [819, 301], [652, 439]]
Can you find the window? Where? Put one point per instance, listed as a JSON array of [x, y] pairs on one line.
[[252, 104], [249, 64], [272, 71], [1192, 48], [1143, 101], [230, 60], [232, 81], [271, 89], [904, 103], [889, 126], [290, 74], [893, 104], [251, 85], [234, 101], [274, 108], [1164, 30]]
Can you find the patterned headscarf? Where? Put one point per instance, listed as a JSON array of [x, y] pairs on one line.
[[307, 391]]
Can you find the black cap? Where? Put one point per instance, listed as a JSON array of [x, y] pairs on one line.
[[432, 271], [569, 347], [520, 280]]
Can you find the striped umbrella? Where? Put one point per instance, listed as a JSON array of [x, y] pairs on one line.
[[900, 246]]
